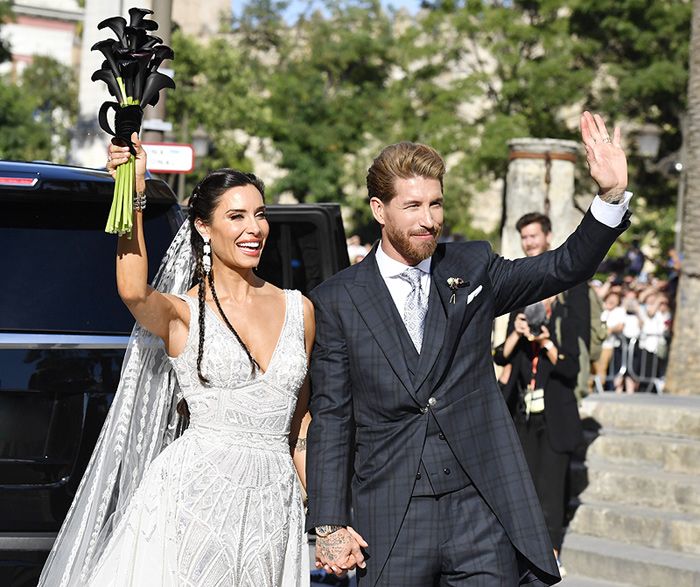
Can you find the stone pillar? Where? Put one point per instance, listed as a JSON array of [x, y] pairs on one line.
[[540, 179]]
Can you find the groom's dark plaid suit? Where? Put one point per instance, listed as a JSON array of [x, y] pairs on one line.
[[370, 408]]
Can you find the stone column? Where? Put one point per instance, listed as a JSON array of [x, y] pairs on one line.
[[540, 179]]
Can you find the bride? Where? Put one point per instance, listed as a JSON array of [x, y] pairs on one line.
[[219, 504]]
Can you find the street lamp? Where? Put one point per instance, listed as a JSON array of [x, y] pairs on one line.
[[200, 142], [648, 141]]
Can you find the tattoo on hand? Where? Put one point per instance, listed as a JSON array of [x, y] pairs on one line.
[[334, 547], [613, 197], [300, 444]]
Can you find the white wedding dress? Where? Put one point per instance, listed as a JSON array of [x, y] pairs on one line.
[[221, 506]]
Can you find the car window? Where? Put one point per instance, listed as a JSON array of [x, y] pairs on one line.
[[293, 255], [59, 269]]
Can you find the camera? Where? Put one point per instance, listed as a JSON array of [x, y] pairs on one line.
[[536, 316]]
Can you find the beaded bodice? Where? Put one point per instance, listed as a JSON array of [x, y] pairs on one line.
[[243, 406]]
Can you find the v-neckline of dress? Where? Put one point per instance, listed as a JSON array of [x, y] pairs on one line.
[[225, 328]]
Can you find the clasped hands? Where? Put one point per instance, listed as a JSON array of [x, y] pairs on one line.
[[340, 551]]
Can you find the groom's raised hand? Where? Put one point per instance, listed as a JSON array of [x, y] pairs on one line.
[[605, 156], [340, 551]]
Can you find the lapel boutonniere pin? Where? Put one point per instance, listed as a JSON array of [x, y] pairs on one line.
[[454, 284]]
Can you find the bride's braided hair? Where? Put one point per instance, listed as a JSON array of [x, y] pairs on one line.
[[205, 197]]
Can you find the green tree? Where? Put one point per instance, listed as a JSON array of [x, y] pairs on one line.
[[54, 96], [326, 97], [639, 49], [21, 136]]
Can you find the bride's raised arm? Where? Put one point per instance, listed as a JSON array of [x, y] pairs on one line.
[[160, 314]]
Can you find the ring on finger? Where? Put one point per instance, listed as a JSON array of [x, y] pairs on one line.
[[607, 140]]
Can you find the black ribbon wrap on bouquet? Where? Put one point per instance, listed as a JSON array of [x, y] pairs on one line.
[[127, 120]]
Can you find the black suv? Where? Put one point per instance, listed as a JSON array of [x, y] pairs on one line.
[[63, 330]]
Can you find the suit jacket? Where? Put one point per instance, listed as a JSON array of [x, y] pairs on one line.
[[370, 415]]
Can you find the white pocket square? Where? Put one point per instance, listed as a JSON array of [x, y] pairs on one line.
[[473, 294]]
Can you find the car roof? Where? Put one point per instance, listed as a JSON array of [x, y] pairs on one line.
[[44, 176], [55, 171]]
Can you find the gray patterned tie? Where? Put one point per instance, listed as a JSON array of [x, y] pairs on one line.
[[416, 306]]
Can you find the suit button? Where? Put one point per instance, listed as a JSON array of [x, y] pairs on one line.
[[441, 436], [418, 476], [424, 410], [432, 401], [446, 470]]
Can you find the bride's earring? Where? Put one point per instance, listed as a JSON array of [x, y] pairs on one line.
[[206, 256]]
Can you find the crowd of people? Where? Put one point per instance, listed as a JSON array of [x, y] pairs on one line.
[[638, 316]]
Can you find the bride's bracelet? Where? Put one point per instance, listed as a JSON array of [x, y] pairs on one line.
[[140, 201]]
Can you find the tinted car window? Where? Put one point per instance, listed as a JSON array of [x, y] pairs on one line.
[[293, 257], [58, 265]]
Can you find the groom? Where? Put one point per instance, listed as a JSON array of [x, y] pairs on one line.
[[409, 427]]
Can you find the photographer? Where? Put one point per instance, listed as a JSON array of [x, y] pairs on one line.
[[540, 396], [542, 349]]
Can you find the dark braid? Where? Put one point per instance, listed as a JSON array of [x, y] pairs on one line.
[[253, 362], [201, 295], [203, 201]]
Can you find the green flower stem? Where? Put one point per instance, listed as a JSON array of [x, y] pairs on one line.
[[121, 215]]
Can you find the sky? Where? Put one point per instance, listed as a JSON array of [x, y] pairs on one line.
[[298, 6]]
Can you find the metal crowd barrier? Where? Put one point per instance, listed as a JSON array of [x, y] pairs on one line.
[[649, 369]]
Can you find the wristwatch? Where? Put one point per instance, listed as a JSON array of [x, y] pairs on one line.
[[327, 530]]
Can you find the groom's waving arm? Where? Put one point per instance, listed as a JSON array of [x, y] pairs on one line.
[[523, 281], [331, 441]]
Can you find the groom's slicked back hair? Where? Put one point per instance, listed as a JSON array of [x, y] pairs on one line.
[[402, 160]]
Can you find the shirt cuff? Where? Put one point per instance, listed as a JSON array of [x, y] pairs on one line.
[[610, 214]]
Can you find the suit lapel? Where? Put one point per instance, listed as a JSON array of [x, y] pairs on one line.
[[378, 311], [457, 310]]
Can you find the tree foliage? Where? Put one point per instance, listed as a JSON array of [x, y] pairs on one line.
[[329, 89], [38, 110]]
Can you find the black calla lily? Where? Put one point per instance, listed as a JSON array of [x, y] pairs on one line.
[[136, 37], [143, 58], [136, 15], [106, 47], [129, 69], [118, 25], [160, 54], [154, 84], [106, 75], [151, 42]]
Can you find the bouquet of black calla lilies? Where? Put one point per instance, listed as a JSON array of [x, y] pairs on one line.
[[130, 71]]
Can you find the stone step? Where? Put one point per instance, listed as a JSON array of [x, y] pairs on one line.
[[644, 413], [580, 581], [607, 560], [642, 486], [676, 455], [639, 525]]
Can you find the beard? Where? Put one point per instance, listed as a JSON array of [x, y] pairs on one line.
[[415, 252]]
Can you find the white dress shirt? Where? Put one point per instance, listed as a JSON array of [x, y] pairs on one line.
[[390, 269]]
